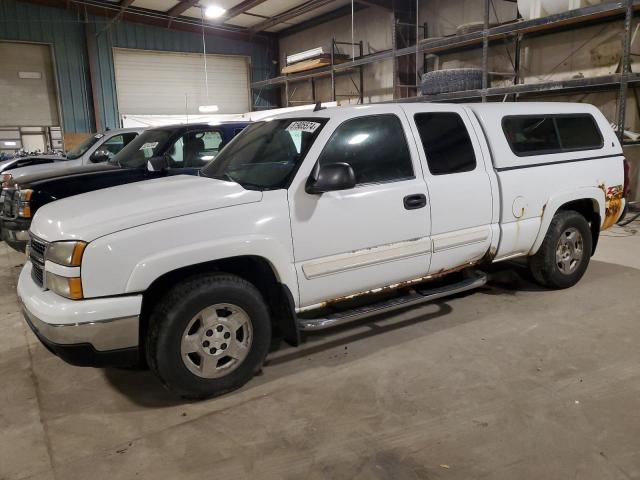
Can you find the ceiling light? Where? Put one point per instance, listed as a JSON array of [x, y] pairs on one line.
[[208, 108], [10, 144], [214, 11]]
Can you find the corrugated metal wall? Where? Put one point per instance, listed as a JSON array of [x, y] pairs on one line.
[[65, 31], [31, 23]]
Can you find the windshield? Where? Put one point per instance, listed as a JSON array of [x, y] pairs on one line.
[[266, 154], [146, 145], [81, 149]]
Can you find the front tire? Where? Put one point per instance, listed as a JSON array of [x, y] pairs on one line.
[[565, 252], [208, 335]]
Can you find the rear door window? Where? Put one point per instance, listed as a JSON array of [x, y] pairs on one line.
[[547, 134], [446, 143]]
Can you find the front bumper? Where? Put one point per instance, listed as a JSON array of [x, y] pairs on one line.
[[97, 332], [16, 232]]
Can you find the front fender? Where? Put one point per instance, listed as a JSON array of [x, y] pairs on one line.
[[152, 267], [595, 194]]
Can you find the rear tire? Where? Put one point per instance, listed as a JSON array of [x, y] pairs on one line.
[[208, 335], [565, 252]]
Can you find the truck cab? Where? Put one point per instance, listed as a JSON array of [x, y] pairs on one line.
[[311, 220], [97, 148]]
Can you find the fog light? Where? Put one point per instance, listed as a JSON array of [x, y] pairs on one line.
[[69, 287]]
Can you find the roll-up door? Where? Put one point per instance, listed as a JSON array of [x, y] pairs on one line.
[[161, 83]]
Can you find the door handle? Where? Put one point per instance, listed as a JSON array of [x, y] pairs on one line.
[[417, 200]]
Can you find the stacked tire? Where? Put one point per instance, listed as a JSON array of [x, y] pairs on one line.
[[453, 80]]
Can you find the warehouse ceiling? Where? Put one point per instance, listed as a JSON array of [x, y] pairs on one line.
[[253, 16]]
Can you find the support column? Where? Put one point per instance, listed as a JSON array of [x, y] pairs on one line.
[[626, 69]]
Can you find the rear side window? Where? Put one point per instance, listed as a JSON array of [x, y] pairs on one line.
[[546, 134], [579, 132], [446, 143], [374, 146]]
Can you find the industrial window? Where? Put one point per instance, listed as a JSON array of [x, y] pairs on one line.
[[446, 143], [375, 146], [546, 134]]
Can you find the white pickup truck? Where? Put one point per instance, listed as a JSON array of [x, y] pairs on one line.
[[311, 220]]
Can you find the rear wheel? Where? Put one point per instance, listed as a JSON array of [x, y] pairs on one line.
[[208, 335], [565, 252]]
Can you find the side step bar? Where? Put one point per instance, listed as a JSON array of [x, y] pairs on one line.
[[475, 280]]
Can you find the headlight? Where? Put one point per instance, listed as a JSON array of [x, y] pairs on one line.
[[68, 254], [6, 178], [64, 286], [23, 197]]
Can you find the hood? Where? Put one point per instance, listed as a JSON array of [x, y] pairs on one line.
[[25, 176], [5, 164], [95, 214]]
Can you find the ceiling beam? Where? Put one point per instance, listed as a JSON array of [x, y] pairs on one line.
[[383, 4], [320, 19], [152, 18], [179, 9], [243, 7], [124, 4], [294, 12]]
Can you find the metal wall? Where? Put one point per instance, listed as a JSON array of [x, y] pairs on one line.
[[67, 31], [64, 32], [131, 35]]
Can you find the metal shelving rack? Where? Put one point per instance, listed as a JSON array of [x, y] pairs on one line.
[[329, 71], [509, 32]]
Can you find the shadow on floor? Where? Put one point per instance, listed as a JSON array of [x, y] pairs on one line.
[[508, 278]]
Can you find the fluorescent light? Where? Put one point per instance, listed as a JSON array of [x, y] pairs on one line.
[[214, 11], [208, 108], [307, 54], [10, 144], [359, 138]]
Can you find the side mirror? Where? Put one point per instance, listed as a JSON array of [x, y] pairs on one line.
[[99, 156], [158, 164], [331, 177]]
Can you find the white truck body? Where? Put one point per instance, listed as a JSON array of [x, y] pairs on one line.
[[340, 244]]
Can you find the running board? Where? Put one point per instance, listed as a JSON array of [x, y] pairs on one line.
[[475, 280]]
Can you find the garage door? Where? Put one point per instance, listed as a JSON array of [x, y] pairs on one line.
[[168, 83], [27, 86]]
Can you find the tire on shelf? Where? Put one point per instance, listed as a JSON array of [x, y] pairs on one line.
[[452, 80]]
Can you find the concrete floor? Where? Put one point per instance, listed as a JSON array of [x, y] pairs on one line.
[[511, 382]]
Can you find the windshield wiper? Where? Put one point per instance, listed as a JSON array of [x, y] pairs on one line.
[[225, 177]]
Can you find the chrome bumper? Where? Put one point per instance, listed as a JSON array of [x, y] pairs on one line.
[[114, 334], [106, 324]]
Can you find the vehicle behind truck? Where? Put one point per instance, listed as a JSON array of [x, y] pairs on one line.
[[312, 220], [181, 149]]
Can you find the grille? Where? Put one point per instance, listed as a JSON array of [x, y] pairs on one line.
[[36, 255], [7, 206]]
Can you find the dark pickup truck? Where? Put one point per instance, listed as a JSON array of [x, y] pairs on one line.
[[182, 149]]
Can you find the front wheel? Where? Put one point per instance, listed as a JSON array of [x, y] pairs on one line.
[[564, 254], [209, 335]]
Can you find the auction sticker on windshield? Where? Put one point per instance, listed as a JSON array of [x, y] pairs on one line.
[[302, 126], [149, 145]]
